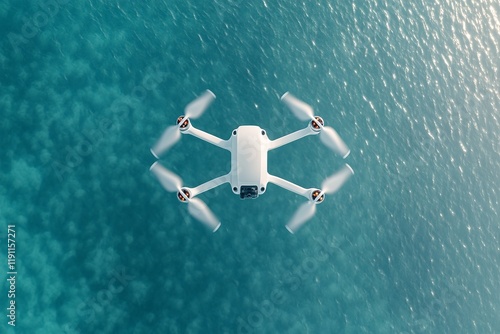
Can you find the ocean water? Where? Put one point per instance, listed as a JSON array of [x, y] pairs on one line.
[[411, 244]]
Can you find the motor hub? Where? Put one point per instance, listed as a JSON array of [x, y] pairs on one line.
[[186, 192], [314, 124], [184, 124], [315, 195]]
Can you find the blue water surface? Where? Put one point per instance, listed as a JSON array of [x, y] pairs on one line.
[[409, 245]]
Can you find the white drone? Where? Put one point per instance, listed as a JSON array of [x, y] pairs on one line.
[[249, 145]]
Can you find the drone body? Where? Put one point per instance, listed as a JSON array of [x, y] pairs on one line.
[[249, 161], [249, 146]]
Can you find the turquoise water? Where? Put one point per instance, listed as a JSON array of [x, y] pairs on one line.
[[409, 245]]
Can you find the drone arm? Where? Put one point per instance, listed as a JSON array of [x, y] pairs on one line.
[[288, 185], [291, 137], [205, 136], [209, 185]]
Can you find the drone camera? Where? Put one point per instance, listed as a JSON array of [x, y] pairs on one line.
[[247, 192]]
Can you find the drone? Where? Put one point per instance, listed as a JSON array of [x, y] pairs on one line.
[[249, 145]]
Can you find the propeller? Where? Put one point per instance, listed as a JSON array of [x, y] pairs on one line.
[[196, 207], [329, 186], [305, 212], [172, 134], [328, 135]]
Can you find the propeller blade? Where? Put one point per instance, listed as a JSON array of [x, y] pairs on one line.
[[303, 214], [199, 210], [300, 109], [169, 137], [168, 180], [334, 182], [196, 108], [331, 138]]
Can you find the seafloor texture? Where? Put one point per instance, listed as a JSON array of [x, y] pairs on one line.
[[409, 245]]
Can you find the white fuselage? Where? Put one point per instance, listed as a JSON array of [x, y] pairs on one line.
[[249, 146]]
